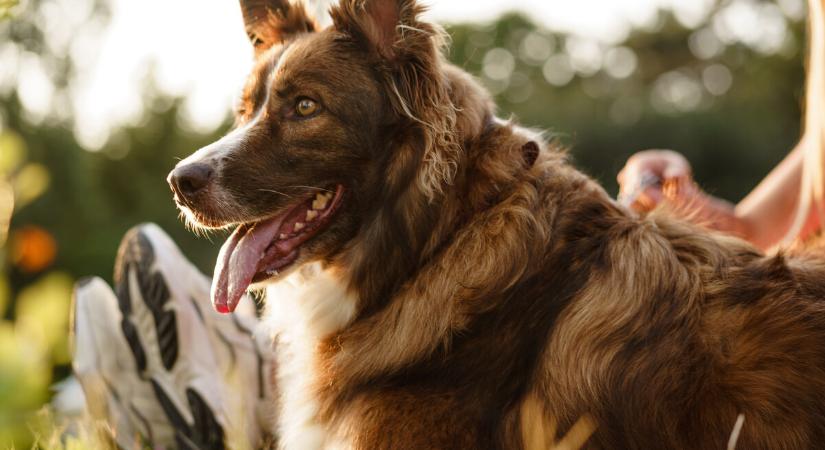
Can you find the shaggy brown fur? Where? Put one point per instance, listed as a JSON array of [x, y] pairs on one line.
[[497, 289]]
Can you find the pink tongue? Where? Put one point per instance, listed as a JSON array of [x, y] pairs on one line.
[[238, 262]]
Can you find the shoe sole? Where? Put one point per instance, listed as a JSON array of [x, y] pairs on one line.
[[136, 254]]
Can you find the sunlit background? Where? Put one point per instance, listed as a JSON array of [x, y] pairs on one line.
[[98, 98]]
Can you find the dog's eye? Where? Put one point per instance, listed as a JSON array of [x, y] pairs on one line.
[[256, 41], [306, 107]]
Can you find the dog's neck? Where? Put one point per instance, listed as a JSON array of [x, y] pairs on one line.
[[413, 226], [499, 225]]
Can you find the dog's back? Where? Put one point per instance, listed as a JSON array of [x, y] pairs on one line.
[[678, 333]]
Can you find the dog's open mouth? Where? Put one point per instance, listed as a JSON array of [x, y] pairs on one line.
[[260, 250]]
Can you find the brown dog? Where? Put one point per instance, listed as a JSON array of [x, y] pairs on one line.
[[442, 279]]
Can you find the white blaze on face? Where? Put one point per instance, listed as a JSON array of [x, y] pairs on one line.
[[214, 156], [213, 153], [226, 147]]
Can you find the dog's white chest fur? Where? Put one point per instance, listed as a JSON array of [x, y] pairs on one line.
[[301, 310]]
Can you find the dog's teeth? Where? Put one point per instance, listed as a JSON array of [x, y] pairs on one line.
[[299, 226], [312, 215], [320, 202]]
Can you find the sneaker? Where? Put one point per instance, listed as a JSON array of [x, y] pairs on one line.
[[203, 377]]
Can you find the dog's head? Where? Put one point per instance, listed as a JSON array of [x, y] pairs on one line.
[[329, 121]]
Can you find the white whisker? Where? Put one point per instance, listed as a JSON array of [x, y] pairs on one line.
[[275, 192], [314, 188]]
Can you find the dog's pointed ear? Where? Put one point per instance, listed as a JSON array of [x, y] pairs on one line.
[[270, 22], [379, 23], [411, 69]]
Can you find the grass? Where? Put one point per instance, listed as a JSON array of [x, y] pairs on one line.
[[50, 432], [6, 8]]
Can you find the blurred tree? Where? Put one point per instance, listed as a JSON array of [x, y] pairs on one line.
[[734, 114]]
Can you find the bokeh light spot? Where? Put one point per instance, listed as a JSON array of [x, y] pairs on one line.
[[535, 48], [676, 92], [761, 26], [42, 313], [557, 70], [12, 152], [586, 55], [520, 88], [31, 182], [498, 64], [620, 62], [793, 9], [704, 44], [717, 79], [693, 13], [32, 249]]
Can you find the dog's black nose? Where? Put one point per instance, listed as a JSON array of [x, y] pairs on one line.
[[190, 179]]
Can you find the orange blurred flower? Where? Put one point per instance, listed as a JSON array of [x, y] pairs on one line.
[[32, 248]]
